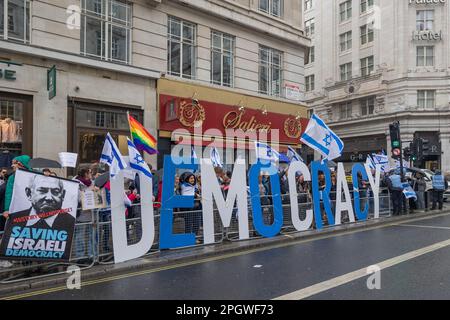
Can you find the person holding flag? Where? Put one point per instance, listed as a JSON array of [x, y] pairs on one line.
[[112, 157], [215, 158], [265, 152], [322, 139], [293, 155]]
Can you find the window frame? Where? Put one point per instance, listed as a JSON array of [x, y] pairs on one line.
[[426, 99], [425, 56], [172, 38], [367, 105], [345, 11], [345, 110], [345, 41], [107, 21], [270, 5], [270, 68], [310, 55], [346, 71], [310, 83], [310, 6], [367, 4], [26, 22], [310, 27], [366, 32], [424, 22], [223, 52], [365, 65]]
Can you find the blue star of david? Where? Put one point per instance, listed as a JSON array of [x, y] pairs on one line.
[[138, 159], [327, 140]]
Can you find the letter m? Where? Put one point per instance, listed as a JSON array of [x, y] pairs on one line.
[[236, 193]]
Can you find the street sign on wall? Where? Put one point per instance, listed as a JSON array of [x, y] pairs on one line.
[[51, 82]]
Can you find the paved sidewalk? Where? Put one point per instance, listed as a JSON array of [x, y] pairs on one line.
[[166, 258]]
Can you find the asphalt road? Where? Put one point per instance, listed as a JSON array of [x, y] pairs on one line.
[[414, 257]]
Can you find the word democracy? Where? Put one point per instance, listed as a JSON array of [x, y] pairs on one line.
[[236, 198]]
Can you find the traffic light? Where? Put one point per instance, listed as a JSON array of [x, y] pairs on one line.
[[407, 153], [394, 130], [423, 147], [414, 149]]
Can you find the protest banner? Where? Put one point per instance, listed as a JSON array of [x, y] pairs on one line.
[[42, 218]]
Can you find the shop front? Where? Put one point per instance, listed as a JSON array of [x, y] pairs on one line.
[[74, 113], [357, 148], [198, 115]]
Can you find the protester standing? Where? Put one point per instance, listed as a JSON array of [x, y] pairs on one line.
[[440, 184], [420, 187], [394, 182]]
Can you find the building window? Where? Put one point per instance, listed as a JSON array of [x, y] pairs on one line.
[[17, 25], [366, 5], [106, 30], [345, 10], [272, 7], [309, 27], [367, 106], [424, 20], [91, 124], [426, 98], [366, 33], [346, 71], [181, 48], [270, 62], [222, 58], [367, 66], [425, 56], [345, 111], [308, 4], [309, 83], [345, 41], [310, 56]]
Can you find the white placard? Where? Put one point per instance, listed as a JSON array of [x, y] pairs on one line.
[[68, 159]]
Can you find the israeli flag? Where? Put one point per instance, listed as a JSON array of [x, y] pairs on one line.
[[193, 154], [137, 163], [112, 157], [265, 152], [321, 138], [293, 155], [382, 160], [215, 158], [409, 192], [370, 162]]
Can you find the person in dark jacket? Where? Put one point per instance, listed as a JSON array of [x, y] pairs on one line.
[[440, 184], [395, 187]]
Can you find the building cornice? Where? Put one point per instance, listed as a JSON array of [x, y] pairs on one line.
[[249, 18], [46, 53]]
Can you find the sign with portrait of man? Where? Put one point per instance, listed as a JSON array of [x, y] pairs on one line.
[[42, 218]]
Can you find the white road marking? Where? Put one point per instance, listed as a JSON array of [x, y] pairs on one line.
[[346, 278], [257, 266], [420, 226]]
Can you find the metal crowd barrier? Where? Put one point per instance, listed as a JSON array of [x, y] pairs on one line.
[[92, 243]]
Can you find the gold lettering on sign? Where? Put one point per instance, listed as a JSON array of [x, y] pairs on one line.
[[233, 120]]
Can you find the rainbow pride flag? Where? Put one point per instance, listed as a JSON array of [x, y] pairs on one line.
[[142, 139]]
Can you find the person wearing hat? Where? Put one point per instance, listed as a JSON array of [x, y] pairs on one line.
[[20, 162]]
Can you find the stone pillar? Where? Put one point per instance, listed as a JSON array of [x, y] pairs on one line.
[[445, 148]]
